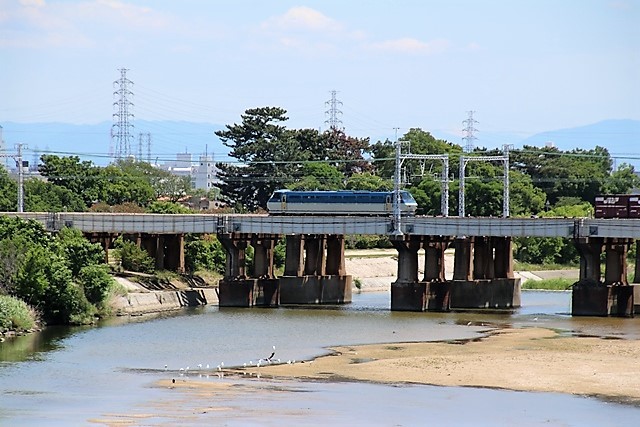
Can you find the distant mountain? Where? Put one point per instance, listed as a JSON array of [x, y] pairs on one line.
[[93, 141], [620, 137]]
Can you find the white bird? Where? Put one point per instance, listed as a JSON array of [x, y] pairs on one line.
[[244, 365], [199, 365], [207, 366], [165, 367]]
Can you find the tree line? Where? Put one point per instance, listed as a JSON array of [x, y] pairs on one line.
[[65, 278]]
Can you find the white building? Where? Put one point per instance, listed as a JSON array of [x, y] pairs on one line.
[[204, 174]]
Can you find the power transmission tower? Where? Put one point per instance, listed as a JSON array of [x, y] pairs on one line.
[[333, 121], [144, 140], [122, 129], [148, 147], [468, 132], [139, 159]]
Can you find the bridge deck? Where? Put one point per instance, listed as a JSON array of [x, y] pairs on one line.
[[340, 225]]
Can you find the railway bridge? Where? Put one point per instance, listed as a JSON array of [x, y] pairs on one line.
[[314, 267]]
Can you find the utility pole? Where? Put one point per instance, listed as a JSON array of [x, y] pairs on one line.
[[468, 132], [121, 130], [333, 121], [397, 217], [20, 177], [18, 160]]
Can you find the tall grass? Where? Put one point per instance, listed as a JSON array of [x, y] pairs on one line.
[[549, 284], [16, 315]]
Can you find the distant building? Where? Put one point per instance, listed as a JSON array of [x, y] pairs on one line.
[[203, 174]]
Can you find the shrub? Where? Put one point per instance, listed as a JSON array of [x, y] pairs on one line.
[[134, 258], [96, 282], [205, 253], [16, 315]]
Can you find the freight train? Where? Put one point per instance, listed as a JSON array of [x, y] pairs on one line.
[[617, 206], [288, 202]]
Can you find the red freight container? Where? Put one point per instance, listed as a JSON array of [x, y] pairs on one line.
[[612, 206], [634, 206]]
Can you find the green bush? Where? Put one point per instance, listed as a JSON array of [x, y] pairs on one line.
[[134, 258], [16, 315], [96, 282], [205, 253], [77, 250]]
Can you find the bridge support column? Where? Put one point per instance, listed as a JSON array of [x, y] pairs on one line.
[[314, 271], [407, 293], [174, 252], [237, 288], [611, 297], [483, 274], [636, 279], [105, 240], [438, 289]]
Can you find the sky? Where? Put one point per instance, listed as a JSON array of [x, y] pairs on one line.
[[523, 66]]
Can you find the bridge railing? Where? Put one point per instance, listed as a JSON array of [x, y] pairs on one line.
[[336, 225]]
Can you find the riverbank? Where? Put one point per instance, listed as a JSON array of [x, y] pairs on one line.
[[146, 294], [529, 359]]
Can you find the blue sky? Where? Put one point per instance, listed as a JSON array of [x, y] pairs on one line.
[[523, 66]]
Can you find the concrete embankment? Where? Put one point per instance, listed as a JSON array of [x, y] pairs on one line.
[[172, 296]]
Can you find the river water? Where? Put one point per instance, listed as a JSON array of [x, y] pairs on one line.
[[83, 376]]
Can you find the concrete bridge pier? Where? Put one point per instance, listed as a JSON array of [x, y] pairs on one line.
[[314, 271], [439, 289], [483, 274], [592, 296], [408, 292], [238, 288]]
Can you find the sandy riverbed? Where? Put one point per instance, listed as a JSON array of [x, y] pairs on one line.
[[532, 359]]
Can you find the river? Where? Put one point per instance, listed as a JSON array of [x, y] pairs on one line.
[[86, 376]]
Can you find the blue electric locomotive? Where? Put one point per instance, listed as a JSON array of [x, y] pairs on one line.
[[283, 202]]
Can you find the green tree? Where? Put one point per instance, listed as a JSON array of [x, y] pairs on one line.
[[125, 187], [205, 253], [367, 181], [8, 192], [96, 283], [525, 199], [575, 173], [134, 258], [77, 251], [41, 196], [260, 142], [167, 208], [319, 176], [621, 181], [80, 177]]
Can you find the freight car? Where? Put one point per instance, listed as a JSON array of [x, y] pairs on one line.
[[617, 206]]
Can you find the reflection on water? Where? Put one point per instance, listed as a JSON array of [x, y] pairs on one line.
[[69, 375]]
